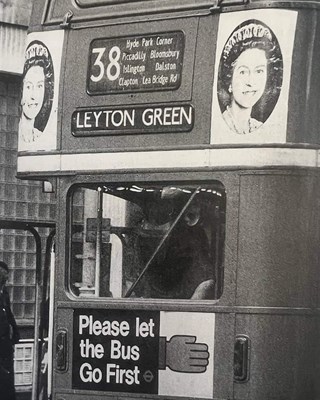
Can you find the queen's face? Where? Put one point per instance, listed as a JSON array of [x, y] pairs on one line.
[[249, 77], [33, 92]]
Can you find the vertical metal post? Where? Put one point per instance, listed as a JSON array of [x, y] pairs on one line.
[[98, 243], [48, 296], [34, 395], [50, 331]]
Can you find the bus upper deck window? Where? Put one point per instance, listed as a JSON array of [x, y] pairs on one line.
[[147, 241]]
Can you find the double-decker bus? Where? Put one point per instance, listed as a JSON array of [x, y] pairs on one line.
[[182, 141]]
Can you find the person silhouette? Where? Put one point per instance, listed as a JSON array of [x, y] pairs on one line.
[[9, 336], [181, 268]]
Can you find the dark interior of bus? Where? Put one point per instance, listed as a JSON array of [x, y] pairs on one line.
[[147, 240]]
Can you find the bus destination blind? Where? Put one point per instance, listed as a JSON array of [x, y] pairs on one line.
[[123, 120], [135, 63]]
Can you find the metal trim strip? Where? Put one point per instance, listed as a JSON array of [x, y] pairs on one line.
[[182, 159]]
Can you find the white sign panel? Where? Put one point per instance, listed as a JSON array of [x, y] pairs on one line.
[[185, 375], [252, 76], [39, 102]]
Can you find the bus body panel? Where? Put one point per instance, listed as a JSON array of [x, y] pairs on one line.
[[75, 88], [277, 211], [284, 356]]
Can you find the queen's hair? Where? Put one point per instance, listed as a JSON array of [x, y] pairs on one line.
[[41, 59]]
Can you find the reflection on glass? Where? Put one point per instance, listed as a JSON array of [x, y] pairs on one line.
[[147, 241]]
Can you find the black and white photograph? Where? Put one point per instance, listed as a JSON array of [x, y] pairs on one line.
[[159, 200]]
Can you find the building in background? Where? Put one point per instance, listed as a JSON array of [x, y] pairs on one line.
[[19, 200]]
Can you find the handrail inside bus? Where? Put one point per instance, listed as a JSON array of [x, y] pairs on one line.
[[99, 3]]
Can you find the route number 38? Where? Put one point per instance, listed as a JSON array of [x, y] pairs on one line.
[[113, 68]]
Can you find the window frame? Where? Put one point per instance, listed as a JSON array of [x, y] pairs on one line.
[[134, 300]]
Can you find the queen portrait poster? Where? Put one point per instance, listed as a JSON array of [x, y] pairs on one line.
[[40, 92], [252, 76]]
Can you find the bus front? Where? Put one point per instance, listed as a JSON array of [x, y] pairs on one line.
[[186, 181]]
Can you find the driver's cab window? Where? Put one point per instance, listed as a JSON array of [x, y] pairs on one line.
[[147, 241]]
